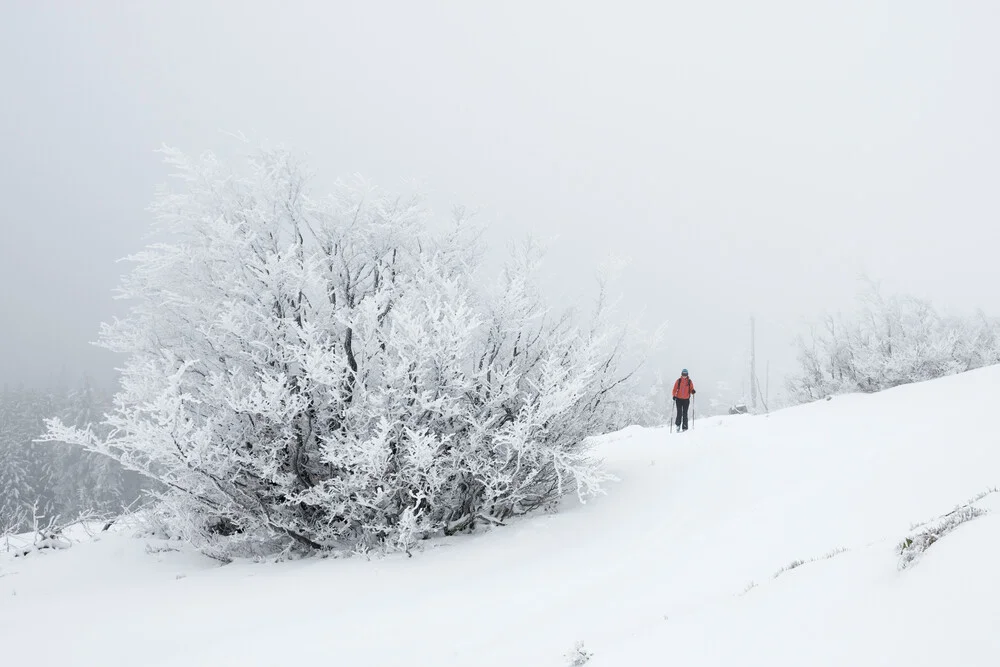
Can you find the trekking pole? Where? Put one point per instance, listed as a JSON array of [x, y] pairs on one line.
[[692, 413], [673, 404]]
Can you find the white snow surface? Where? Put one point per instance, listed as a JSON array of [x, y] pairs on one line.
[[657, 571]]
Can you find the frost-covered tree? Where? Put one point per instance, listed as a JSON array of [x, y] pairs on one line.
[[889, 341], [329, 372]]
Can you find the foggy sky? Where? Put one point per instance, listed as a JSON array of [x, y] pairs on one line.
[[748, 158]]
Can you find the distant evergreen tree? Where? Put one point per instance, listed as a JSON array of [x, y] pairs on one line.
[[54, 481]]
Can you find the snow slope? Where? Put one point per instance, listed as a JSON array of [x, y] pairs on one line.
[[655, 572]]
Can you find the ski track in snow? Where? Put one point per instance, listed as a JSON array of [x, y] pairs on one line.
[[654, 572]]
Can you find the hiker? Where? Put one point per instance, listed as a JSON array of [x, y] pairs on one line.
[[683, 391]]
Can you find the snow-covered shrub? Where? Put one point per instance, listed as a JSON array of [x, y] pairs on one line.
[[890, 341], [578, 655], [929, 532], [331, 372], [914, 545]]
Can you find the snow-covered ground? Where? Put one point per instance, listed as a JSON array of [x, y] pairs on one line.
[[675, 565]]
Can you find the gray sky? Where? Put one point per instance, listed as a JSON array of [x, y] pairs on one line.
[[747, 157]]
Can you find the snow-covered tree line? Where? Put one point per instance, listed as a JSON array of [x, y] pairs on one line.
[[332, 373], [43, 482], [889, 341]]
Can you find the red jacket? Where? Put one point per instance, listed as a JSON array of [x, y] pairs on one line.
[[683, 388]]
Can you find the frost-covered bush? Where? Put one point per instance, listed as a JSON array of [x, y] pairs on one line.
[[890, 341], [578, 655], [914, 545], [331, 372], [911, 547]]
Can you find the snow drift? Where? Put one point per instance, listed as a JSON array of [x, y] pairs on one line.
[[745, 541]]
